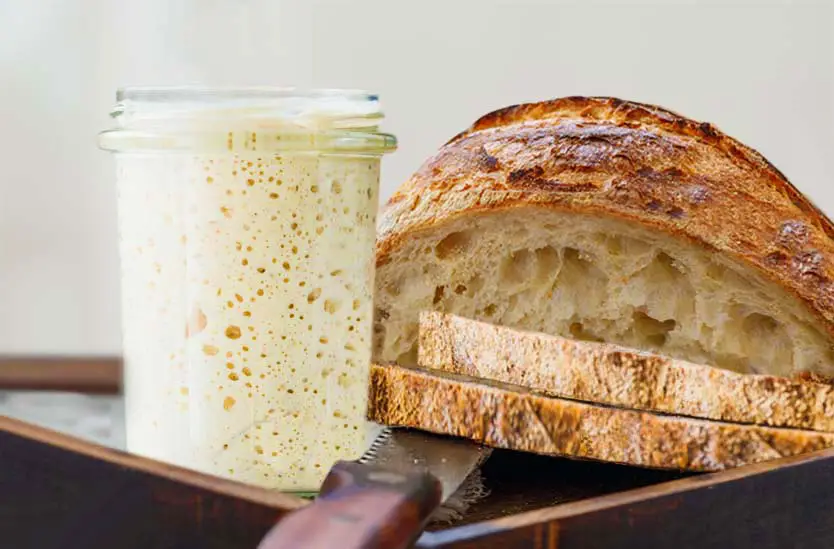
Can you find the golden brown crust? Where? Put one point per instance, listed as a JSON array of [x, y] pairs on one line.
[[609, 157], [504, 417], [619, 376]]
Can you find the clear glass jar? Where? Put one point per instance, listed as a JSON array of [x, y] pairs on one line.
[[247, 226]]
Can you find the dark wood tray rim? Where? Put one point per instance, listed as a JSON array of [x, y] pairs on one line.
[[776, 504]]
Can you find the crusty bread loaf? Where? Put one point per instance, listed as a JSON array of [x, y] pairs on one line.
[[606, 220], [619, 376], [503, 416]]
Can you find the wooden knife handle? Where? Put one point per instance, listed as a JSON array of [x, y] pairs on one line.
[[360, 506]]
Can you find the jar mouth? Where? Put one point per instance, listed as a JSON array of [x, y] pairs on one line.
[[168, 93], [166, 117]]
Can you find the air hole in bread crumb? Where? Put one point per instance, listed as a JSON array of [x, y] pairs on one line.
[[438, 294], [548, 262], [760, 325], [453, 244], [518, 267], [578, 331], [650, 330], [574, 256], [667, 261], [765, 341]]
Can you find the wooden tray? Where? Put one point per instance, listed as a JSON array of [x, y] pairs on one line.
[[60, 492]]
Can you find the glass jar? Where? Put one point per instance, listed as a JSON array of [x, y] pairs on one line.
[[246, 229]]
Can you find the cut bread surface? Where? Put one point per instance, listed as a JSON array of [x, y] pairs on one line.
[[511, 417], [593, 278], [620, 376]]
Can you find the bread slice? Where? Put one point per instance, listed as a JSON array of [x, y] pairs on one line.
[[607, 220], [504, 416], [618, 376]]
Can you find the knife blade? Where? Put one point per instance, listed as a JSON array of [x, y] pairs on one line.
[[448, 459], [384, 499]]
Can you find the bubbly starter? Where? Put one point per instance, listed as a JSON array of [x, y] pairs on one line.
[[247, 280]]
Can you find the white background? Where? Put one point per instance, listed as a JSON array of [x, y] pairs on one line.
[[761, 71]]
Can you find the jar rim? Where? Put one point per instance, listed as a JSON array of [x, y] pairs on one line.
[[156, 117], [153, 95]]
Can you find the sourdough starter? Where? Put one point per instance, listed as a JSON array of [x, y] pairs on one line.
[[247, 280]]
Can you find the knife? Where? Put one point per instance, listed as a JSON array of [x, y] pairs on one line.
[[385, 498]]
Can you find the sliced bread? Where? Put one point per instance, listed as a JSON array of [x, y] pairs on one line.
[[619, 376], [608, 220], [504, 416]]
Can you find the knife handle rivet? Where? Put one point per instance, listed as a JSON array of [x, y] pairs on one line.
[[386, 476]]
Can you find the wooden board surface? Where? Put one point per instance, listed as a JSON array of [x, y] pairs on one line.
[[782, 504], [57, 492], [95, 375], [519, 483], [91, 497]]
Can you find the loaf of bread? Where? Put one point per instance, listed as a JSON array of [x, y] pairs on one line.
[[619, 376], [513, 417], [606, 220]]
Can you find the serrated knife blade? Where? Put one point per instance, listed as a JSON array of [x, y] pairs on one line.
[[448, 459], [384, 499]]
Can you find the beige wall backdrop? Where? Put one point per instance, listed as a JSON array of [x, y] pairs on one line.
[[762, 71]]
